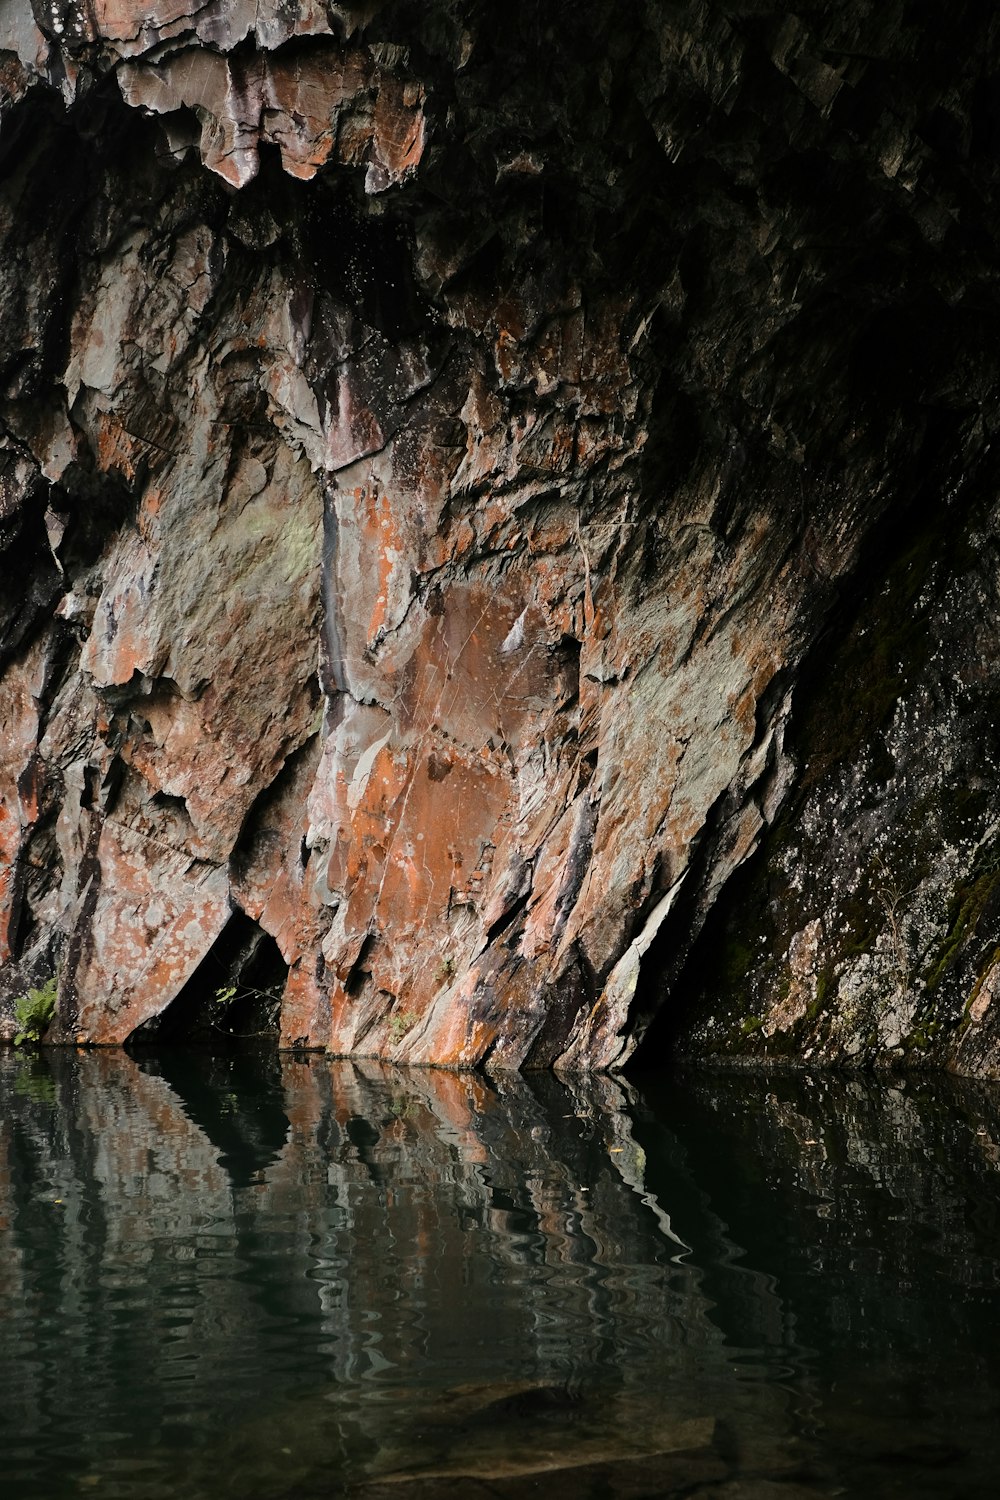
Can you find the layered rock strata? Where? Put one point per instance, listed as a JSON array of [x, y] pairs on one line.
[[455, 463]]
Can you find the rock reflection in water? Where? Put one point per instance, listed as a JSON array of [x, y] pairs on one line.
[[271, 1278]]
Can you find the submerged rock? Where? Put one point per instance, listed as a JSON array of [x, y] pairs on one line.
[[484, 1439], [472, 484]]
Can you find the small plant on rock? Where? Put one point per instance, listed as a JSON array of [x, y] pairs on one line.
[[891, 898], [33, 1012], [226, 996], [401, 1023]]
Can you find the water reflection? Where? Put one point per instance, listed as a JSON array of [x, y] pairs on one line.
[[265, 1278], [237, 1100]]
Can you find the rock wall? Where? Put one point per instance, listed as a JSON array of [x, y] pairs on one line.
[[475, 480]]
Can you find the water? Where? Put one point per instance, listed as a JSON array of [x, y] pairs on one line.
[[286, 1279]]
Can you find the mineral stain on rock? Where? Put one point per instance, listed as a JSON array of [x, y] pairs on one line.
[[487, 497]]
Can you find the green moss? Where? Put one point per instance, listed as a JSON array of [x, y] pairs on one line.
[[922, 1037], [824, 986], [965, 908], [735, 963], [750, 1025]]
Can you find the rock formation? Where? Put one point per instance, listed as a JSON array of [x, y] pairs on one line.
[[488, 495]]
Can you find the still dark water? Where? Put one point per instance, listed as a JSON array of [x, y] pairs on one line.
[[279, 1280]]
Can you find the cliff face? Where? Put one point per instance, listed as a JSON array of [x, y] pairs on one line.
[[473, 481]]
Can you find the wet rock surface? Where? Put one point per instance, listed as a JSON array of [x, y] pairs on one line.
[[472, 484]]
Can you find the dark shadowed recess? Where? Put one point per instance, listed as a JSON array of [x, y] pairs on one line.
[[232, 999], [846, 686]]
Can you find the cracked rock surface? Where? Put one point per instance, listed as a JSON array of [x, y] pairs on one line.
[[503, 499]]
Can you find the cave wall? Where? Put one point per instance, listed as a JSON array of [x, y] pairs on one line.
[[486, 493]]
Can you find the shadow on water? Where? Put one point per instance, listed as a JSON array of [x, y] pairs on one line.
[[234, 1097], [275, 1277]]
